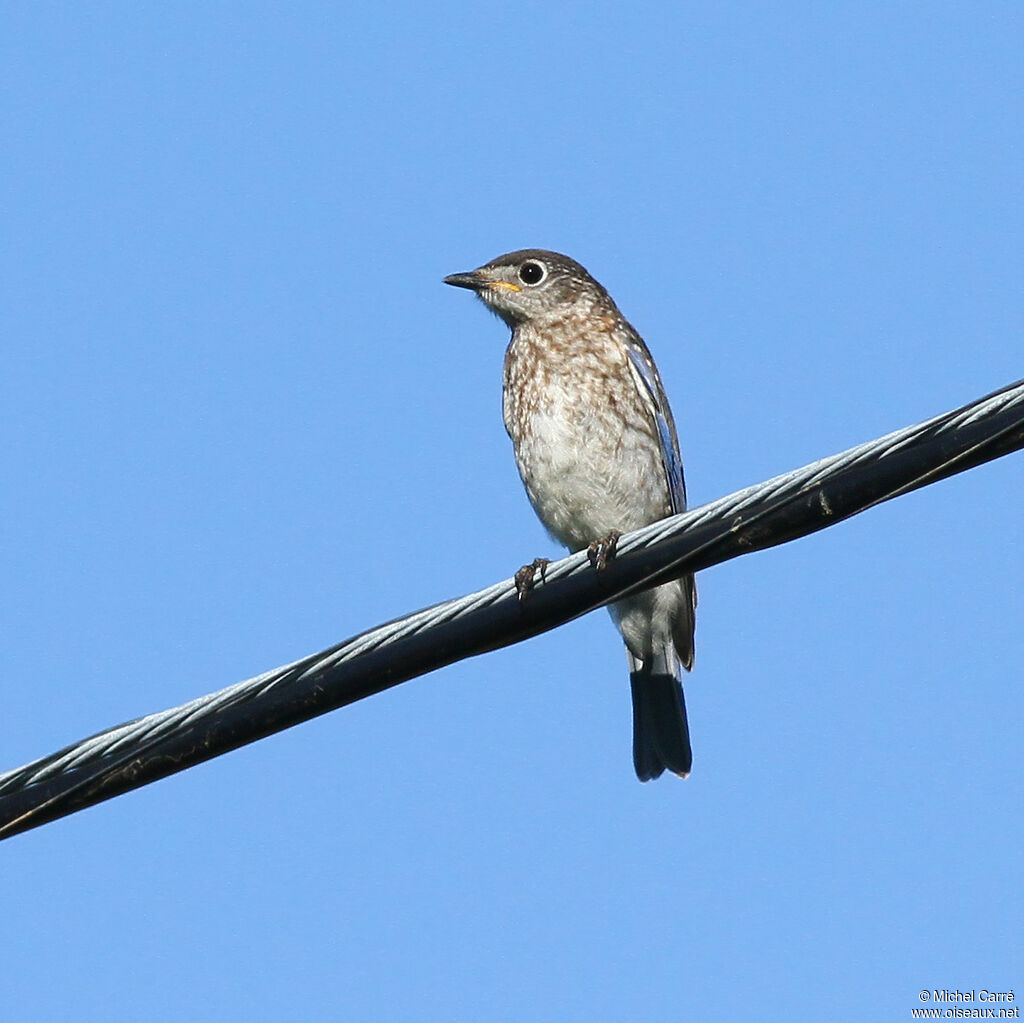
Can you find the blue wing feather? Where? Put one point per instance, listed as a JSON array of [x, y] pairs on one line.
[[671, 460]]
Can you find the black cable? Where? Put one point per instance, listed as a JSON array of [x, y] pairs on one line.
[[789, 506]]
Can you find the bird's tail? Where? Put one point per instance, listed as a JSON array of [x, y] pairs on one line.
[[661, 736]]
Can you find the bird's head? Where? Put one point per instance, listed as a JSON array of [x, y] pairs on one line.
[[533, 285]]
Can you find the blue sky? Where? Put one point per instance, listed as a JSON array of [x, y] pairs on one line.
[[244, 419]]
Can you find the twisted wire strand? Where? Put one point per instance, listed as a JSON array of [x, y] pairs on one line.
[[785, 507]]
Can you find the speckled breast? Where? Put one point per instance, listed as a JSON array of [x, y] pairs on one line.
[[584, 441]]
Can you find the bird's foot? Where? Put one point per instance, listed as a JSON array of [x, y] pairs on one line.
[[600, 552], [526, 577]]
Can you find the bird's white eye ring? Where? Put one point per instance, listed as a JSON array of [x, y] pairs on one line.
[[532, 272]]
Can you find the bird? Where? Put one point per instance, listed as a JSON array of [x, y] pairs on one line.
[[596, 447]]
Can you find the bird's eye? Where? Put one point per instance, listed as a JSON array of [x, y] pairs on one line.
[[531, 273]]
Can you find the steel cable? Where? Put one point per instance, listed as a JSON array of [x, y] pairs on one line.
[[781, 509]]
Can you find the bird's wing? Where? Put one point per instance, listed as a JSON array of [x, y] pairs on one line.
[[645, 374]]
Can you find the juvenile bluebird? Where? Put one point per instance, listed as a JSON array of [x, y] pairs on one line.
[[597, 451]]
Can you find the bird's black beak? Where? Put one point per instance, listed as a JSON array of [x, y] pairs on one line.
[[472, 280]]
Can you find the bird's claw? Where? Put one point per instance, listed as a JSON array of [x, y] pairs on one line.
[[600, 552], [526, 577]]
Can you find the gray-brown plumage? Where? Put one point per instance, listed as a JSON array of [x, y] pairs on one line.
[[597, 451]]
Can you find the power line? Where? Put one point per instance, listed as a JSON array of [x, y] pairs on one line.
[[782, 509]]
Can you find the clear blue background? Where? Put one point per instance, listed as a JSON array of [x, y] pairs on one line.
[[242, 419]]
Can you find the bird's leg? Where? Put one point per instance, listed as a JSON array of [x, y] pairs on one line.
[[526, 576], [600, 552]]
